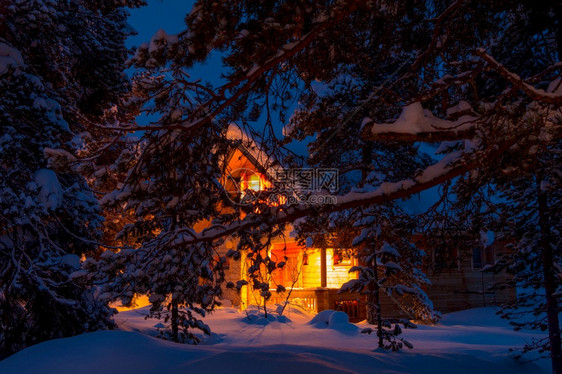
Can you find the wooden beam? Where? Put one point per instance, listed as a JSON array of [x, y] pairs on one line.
[[323, 268]]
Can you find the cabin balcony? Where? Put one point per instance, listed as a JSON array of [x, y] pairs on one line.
[[319, 299]]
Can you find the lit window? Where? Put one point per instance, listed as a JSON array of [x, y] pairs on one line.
[[341, 257], [254, 181]]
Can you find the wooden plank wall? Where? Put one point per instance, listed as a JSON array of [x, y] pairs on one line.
[[451, 289]]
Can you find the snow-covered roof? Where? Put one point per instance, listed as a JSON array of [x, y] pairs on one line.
[[254, 152]]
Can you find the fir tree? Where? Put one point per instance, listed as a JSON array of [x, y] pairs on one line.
[[59, 62], [528, 215], [171, 190], [393, 269]]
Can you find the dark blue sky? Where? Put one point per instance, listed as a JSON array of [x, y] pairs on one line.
[[158, 14], [169, 16]]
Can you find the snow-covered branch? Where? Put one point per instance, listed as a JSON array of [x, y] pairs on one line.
[[451, 166], [533, 92], [208, 111], [418, 124], [284, 54]]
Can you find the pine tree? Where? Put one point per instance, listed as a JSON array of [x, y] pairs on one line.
[[529, 216], [171, 190], [59, 61], [393, 269], [519, 199], [260, 264]]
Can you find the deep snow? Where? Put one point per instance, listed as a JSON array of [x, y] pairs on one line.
[[474, 341]]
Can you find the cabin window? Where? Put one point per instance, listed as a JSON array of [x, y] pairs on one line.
[[446, 258], [341, 258], [490, 256], [482, 257], [476, 258], [254, 181]]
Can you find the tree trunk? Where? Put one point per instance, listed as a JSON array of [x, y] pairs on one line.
[[371, 307], [175, 320], [558, 33], [175, 312], [549, 283], [379, 312], [373, 298], [374, 305]]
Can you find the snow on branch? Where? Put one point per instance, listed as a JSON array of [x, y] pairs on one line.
[[449, 167], [533, 92], [418, 124]]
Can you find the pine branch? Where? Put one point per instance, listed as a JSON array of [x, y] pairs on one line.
[[534, 93]]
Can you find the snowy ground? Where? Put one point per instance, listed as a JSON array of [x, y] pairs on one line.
[[474, 341]]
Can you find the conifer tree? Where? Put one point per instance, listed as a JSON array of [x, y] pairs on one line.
[[171, 190], [393, 269], [60, 62]]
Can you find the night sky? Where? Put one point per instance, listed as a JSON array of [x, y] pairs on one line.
[[169, 16]]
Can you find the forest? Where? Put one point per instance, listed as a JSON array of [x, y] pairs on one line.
[[112, 159]]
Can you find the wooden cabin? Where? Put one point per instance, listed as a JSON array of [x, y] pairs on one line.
[[313, 276]]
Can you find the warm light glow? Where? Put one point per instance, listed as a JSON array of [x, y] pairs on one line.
[[139, 302], [254, 181], [307, 267]]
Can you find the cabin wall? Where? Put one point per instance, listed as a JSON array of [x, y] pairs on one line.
[[459, 286], [337, 274], [311, 272], [453, 290], [465, 285]]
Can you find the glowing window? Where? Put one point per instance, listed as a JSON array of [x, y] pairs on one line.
[[254, 181]]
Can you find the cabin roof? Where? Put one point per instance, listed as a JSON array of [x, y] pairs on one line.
[[247, 153]]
